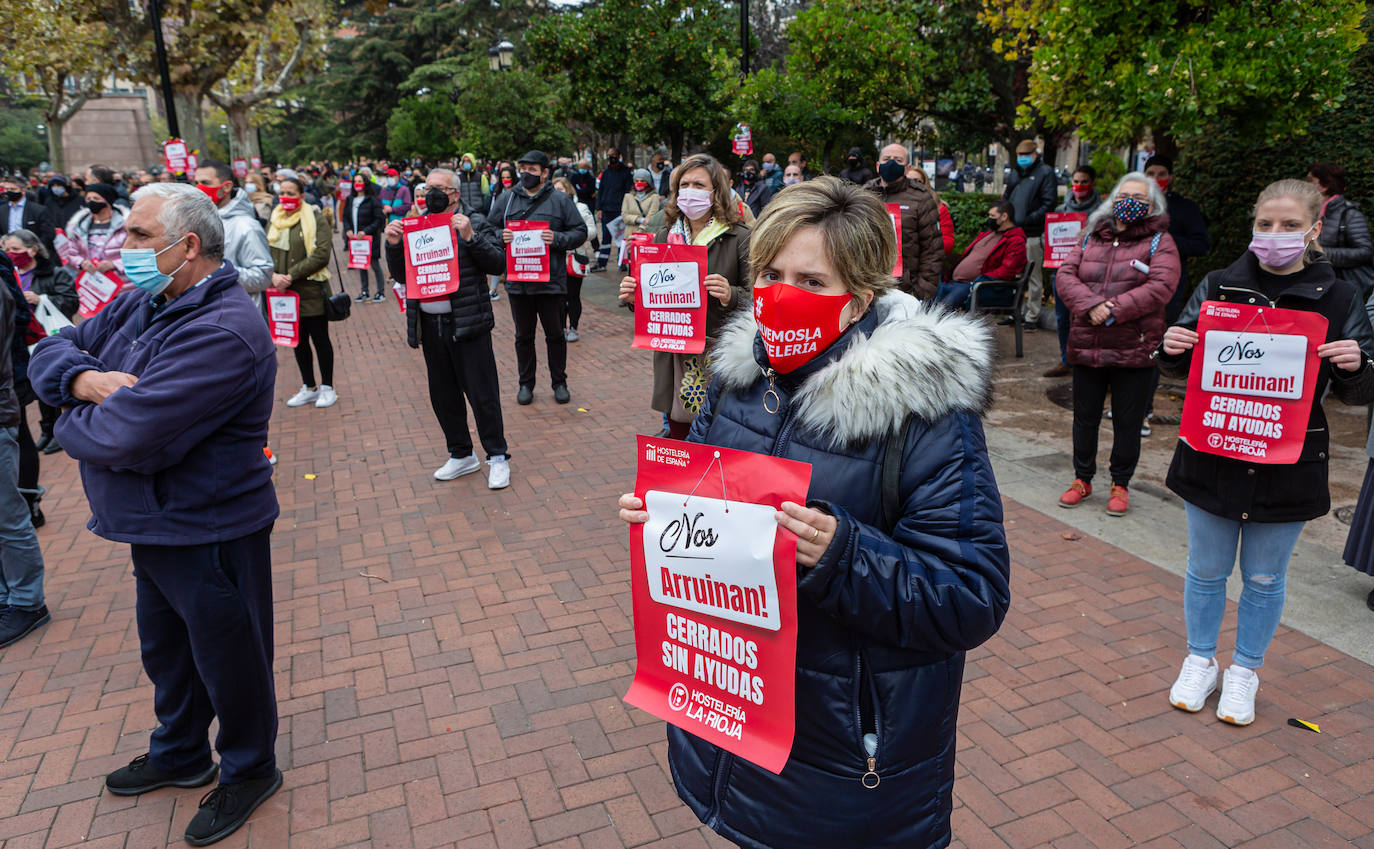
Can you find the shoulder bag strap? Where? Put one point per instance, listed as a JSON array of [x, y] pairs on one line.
[[892, 475]]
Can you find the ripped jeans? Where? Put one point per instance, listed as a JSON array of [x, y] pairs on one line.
[[1265, 548]]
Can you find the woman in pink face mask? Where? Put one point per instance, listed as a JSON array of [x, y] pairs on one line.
[[1257, 507], [897, 575]]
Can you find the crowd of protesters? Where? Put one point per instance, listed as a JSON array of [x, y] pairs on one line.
[[870, 256]]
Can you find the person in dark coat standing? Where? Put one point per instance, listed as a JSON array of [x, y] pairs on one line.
[[753, 187], [855, 171], [535, 199], [1115, 286], [923, 250], [1033, 192], [611, 187], [1260, 508], [168, 394], [23, 212], [363, 218], [1345, 230], [887, 605], [1083, 197], [63, 201], [454, 332]]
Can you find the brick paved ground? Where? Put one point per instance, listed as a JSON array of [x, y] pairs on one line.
[[469, 694]]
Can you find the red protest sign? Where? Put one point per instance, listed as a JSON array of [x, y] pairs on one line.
[[284, 318], [670, 308], [1063, 233], [400, 293], [192, 161], [895, 210], [255, 161], [240, 168], [714, 585], [627, 247], [95, 290], [1251, 382], [174, 156], [743, 142], [359, 253], [527, 257], [431, 256]]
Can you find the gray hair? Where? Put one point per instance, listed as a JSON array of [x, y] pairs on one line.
[[28, 240], [443, 172], [1158, 204], [187, 210]]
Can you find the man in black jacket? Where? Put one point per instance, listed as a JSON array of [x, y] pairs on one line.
[[1033, 192], [615, 181], [535, 199], [755, 191], [855, 171], [24, 212], [454, 332]]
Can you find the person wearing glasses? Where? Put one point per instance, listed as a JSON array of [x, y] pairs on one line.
[[1115, 286], [1082, 197]]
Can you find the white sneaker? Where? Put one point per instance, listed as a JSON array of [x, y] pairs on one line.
[[1196, 681], [328, 397], [498, 473], [306, 395], [1238, 688], [457, 468]]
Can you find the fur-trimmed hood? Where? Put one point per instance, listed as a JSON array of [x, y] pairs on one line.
[[919, 359]]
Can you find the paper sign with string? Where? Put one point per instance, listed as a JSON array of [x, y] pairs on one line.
[[714, 585], [1250, 386]]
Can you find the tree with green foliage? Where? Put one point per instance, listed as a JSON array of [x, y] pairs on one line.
[[642, 68], [20, 147], [1117, 68]]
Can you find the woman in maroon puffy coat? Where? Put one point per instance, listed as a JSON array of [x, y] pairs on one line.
[[1116, 287]]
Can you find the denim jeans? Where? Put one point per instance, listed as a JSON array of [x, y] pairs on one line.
[[21, 560], [1265, 548]]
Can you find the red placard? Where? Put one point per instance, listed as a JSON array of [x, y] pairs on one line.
[[1063, 233], [670, 295], [399, 291], [255, 161], [174, 156], [527, 258], [192, 161], [895, 210], [1251, 382], [714, 583], [431, 256], [284, 317], [627, 247], [240, 168], [359, 253], [95, 290], [743, 142]]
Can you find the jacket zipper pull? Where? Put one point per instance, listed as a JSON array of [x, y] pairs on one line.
[[773, 393], [871, 778]]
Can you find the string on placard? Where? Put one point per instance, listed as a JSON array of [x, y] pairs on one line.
[[720, 467], [1259, 314]]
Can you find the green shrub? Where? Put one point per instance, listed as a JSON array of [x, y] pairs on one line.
[[969, 210]]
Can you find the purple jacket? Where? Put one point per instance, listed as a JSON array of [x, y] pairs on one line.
[[177, 458]]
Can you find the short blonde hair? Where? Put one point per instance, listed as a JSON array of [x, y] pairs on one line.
[[854, 225], [723, 207], [1301, 191]]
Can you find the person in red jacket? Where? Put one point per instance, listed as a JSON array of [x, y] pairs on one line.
[[1116, 286], [997, 253], [917, 173]]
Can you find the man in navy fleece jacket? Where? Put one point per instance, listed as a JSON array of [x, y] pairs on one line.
[[167, 396]]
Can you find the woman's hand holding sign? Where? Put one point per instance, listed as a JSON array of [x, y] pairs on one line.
[[716, 286], [1179, 340], [1344, 354], [632, 510], [627, 289]]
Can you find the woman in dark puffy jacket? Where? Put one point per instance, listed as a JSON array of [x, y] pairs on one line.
[[1345, 231], [1258, 508], [886, 608], [1116, 286], [364, 218]]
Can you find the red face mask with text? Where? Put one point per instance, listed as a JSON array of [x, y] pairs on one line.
[[797, 325], [290, 204], [212, 192]]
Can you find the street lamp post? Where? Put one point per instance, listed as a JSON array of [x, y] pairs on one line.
[[743, 38], [168, 102], [501, 56]]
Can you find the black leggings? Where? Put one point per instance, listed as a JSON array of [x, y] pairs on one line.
[[28, 454], [574, 310], [315, 330], [376, 270]]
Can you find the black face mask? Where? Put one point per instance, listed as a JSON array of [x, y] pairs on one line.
[[853, 162], [95, 206], [749, 176], [436, 201], [14, 197], [530, 181], [613, 160], [891, 171], [993, 224]]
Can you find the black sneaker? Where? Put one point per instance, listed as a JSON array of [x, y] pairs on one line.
[[1006, 322], [378, 298], [140, 776], [43, 441], [228, 806], [361, 299], [525, 395], [561, 394], [16, 623], [1029, 326], [52, 447]]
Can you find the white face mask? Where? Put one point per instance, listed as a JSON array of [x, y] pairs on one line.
[[276, 188], [250, 188], [694, 203]]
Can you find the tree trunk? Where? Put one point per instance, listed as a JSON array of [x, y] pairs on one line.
[[242, 140], [187, 102], [998, 178], [675, 139], [1165, 143], [57, 159]]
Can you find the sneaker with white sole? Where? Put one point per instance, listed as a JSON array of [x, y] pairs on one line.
[[457, 467], [498, 473], [306, 395], [328, 397], [1196, 681], [1238, 688]]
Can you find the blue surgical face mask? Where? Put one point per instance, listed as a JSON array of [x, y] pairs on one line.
[[1025, 161], [140, 266]]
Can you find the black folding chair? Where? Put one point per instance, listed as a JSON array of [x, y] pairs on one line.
[[1018, 300]]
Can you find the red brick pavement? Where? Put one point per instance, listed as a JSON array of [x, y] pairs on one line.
[[468, 695]]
